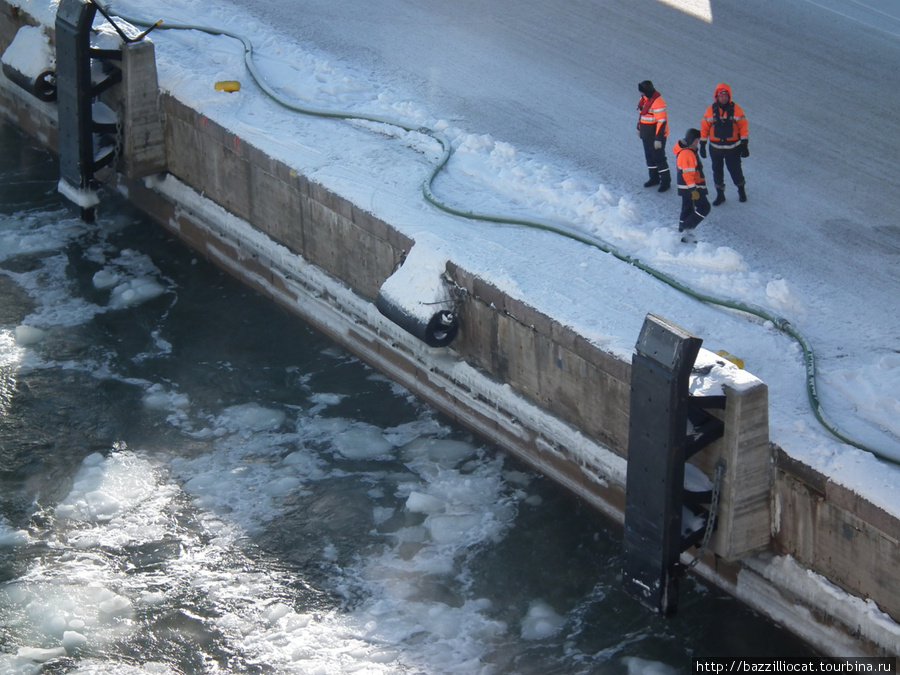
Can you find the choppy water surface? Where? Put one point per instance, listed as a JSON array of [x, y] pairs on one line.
[[194, 481]]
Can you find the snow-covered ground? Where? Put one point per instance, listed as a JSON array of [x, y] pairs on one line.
[[538, 99]]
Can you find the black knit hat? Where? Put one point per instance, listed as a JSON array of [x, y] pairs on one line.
[[646, 88], [690, 136]]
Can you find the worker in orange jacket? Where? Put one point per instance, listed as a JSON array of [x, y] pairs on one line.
[[725, 126], [653, 129], [691, 185]]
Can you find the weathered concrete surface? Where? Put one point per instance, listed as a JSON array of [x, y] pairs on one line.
[[143, 146], [838, 533], [514, 375]]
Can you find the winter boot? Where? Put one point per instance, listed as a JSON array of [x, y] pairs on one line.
[[654, 178], [742, 194], [720, 197], [665, 183]]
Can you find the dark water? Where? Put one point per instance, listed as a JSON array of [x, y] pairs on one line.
[[194, 481]]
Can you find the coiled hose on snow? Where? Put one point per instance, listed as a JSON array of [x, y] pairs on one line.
[[780, 323]]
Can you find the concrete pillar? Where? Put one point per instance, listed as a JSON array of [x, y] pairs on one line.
[[744, 524], [144, 149]]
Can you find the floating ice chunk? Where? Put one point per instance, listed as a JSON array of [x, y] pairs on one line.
[[105, 278], [297, 622], [518, 477], [73, 640], [93, 459], [116, 605], [11, 537], [255, 417], [40, 655], [153, 598], [330, 552], [28, 335], [102, 505], [81, 540], [304, 464], [202, 484], [104, 489], [415, 534], [55, 624], [405, 433], [277, 611], [303, 654], [381, 514], [324, 400], [418, 502], [541, 622], [282, 486], [362, 442], [446, 529], [135, 292], [382, 655], [157, 398], [296, 458], [638, 666], [444, 452]]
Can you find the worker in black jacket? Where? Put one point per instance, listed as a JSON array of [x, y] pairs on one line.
[[653, 129]]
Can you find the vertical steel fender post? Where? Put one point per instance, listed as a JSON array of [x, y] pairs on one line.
[[74, 19], [76, 92], [657, 451]]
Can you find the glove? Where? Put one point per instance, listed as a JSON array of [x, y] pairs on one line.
[[657, 145], [745, 149], [695, 195], [703, 149]]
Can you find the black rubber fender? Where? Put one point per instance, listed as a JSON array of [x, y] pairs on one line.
[[42, 87], [437, 329]]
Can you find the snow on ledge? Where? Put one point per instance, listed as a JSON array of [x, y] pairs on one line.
[[861, 617]]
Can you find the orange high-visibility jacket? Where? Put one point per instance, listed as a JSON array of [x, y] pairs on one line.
[[724, 128], [690, 170], [655, 114]]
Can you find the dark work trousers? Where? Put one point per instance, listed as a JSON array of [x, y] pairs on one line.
[[693, 212], [726, 158], [657, 163]]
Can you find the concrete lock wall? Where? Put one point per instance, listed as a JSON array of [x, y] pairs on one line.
[[504, 337], [514, 375]]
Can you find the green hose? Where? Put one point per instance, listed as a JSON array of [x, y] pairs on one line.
[[781, 323]]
